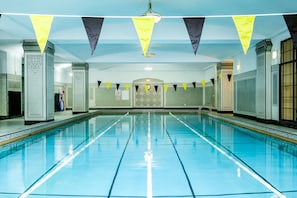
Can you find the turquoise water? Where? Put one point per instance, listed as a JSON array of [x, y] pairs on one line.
[[149, 155]]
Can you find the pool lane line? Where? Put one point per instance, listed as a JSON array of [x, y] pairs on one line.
[[180, 161], [149, 158], [120, 162], [245, 167], [58, 166]]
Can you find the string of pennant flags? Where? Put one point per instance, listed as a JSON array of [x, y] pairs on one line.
[[147, 87], [144, 28]]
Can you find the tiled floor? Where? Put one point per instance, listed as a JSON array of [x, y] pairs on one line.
[[12, 129], [284, 133]]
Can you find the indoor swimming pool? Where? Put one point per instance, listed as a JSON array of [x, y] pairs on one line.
[[170, 155]]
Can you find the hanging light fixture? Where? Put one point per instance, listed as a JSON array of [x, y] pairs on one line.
[[151, 13]]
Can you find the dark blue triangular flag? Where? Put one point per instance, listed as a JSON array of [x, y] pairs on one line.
[[212, 80], [156, 88], [93, 27], [291, 21], [174, 86], [194, 27]]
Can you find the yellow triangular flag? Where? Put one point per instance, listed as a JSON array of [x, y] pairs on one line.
[[185, 86], [107, 84], [165, 87], [42, 27], [146, 87], [220, 75], [144, 27], [203, 83], [244, 26], [127, 87]]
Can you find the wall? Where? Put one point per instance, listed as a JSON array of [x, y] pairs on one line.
[[10, 79], [103, 97], [245, 79], [245, 93], [3, 95], [129, 76], [109, 98]]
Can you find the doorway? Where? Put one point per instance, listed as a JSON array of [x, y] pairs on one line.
[[14, 103]]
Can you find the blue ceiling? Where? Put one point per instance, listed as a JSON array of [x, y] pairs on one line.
[[118, 42]]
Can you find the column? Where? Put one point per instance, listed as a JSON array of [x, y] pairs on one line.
[[263, 80], [3, 85], [225, 87], [39, 82], [80, 87]]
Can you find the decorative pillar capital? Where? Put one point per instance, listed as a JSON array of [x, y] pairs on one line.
[[263, 46], [32, 46], [80, 66]]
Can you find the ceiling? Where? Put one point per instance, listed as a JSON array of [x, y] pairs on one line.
[[118, 46]]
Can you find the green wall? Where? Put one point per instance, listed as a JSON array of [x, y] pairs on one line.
[[191, 97], [103, 97]]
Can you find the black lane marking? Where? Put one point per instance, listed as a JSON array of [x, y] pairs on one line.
[[120, 162], [180, 161], [230, 152], [59, 162]]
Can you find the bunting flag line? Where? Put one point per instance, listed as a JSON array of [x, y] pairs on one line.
[[185, 86], [118, 86], [99, 83], [244, 26], [291, 21], [42, 26], [127, 87], [144, 27], [175, 86], [194, 84], [165, 87], [194, 27], [93, 26], [203, 83], [156, 88], [107, 84]]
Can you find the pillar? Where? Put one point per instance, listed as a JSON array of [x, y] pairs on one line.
[[80, 87], [3, 85], [225, 87], [263, 80], [39, 82]]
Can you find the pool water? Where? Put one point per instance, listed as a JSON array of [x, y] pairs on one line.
[[149, 155]]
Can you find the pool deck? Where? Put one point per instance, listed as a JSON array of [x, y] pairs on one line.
[[14, 129], [274, 130]]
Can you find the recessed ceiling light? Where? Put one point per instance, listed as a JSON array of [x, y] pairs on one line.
[[148, 68]]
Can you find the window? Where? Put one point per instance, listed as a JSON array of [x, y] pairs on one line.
[[288, 81]]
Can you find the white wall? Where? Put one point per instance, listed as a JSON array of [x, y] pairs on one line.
[[129, 76], [247, 62], [3, 62], [276, 45], [14, 54], [14, 63]]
